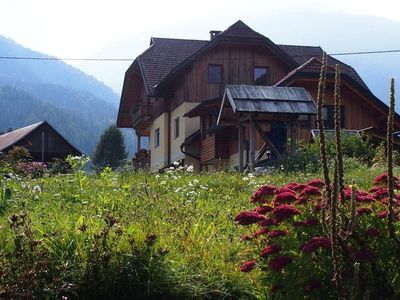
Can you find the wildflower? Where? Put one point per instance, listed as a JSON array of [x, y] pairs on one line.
[[249, 217], [382, 180], [291, 185], [276, 233], [246, 237], [300, 187], [284, 190], [284, 212], [268, 222], [381, 193], [37, 189], [189, 168], [315, 243], [310, 191], [363, 210], [372, 232], [278, 263], [175, 163], [286, 197], [263, 193], [262, 231], [263, 209], [383, 214], [312, 285], [270, 249], [367, 198], [318, 183], [248, 266]]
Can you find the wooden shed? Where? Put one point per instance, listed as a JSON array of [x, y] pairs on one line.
[[42, 141]]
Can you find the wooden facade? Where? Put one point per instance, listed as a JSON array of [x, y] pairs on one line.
[[172, 72]]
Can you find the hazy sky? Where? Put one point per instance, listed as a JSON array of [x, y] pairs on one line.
[[79, 28]]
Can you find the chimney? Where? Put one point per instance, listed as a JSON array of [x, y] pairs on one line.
[[214, 33]]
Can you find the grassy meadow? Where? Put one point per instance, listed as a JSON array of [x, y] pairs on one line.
[[132, 235]]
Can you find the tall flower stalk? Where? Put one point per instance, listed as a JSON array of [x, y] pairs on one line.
[[320, 126]]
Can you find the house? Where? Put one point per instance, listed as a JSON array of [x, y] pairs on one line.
[[42, 141], [236, 99]]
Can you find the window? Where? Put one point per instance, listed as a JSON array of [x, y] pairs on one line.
[[156, 137], [328, 116], [260, 75], [176, 132], [215, 74]]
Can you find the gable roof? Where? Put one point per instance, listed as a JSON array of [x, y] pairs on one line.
[[269, 99], [12, 137], [239, 31]]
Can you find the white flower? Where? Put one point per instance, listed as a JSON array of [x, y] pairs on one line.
[[36, 189], [190, 168], [177, 190], [175, 163], [163, 182], [171, 168]]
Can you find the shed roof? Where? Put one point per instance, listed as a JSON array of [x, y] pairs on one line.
[[10, 138], [268, 99]]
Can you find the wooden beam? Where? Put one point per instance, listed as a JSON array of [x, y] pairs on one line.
[[240, 146], [252, 151], [267, 141], [293, 137]]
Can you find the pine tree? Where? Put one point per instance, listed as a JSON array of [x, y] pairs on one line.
[[110, 150]]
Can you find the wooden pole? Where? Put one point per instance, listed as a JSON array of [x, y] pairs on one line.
[[139, 142], [293, 137], [240, 145], [252, 142]]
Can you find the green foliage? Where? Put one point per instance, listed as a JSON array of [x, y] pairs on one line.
[[380, 157], [110, 150]]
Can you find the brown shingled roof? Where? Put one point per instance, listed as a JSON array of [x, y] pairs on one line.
[[10, 138]]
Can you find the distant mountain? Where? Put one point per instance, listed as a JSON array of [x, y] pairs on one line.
[[79, 106]]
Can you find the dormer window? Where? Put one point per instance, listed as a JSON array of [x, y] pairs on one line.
[[260, 75], [215, 74]]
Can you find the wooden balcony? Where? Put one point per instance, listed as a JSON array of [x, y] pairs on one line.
[[142, 117]]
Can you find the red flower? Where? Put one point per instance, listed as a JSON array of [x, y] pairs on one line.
[[300, 187], [278, 263], [315, 243], [248, 266], [263, 193], [284, 190], [312, 285], [383, 214], [285, 197], [317, 208], [382, 180], [268, 222], [318, 183], [373, 190], [381, 193], [310, 191], [249, 217], [372, 232], [363, 210], [307, 223], [262, 231], [263, 209], [271, 249], [276, 233], [292, 185], [367, 198], [284, 211]]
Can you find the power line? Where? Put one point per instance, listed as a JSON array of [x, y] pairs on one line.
[[132, 59]]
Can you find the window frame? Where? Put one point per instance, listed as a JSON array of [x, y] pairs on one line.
[[157, 137], [176, 127], [266, 75], [221, 73], [328, 117]]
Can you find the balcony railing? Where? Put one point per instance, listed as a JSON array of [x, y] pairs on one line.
[[141, 113]]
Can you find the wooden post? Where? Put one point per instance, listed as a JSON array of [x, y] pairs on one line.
[[252, 142], [293, 137], [139, 142], [240, 145]]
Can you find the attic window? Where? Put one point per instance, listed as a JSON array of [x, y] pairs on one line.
[[260, 75], [215, 74]]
